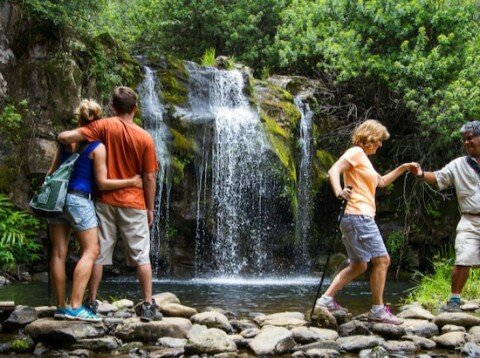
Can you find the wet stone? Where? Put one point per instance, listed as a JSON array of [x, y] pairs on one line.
[[423, 343], [451, 340], [452, 328], [457, 318], [357, 343], [242, 325], [406, 347], [354, 328], [388, 331]]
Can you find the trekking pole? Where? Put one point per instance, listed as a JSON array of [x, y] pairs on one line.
[[343, 205], [49, 247]]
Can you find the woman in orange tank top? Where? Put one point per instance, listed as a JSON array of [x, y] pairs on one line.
[[361, 237]]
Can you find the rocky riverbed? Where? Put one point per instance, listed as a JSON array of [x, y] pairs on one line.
[[185, 332]]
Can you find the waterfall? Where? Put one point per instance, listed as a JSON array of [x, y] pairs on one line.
[[238, 172], [152, 114], [303, 225]]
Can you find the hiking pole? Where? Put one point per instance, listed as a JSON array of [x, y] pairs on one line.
[[343, 205], [49, 247]]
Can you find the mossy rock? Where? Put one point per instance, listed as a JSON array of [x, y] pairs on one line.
[[174, 79], [183, 145], [322, 162], [23, 345], [178, 167]]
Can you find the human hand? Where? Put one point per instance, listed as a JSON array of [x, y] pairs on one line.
[[415, 169], [137, 181], [346, 193], [150, 217]]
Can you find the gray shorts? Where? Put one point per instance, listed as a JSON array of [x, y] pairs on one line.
[[467, 242], [79, 214], [361, 238]]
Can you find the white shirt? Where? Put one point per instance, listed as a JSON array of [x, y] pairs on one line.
[[459, 174]]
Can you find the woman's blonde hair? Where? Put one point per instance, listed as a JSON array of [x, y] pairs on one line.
[[87, 111], [369, 132]]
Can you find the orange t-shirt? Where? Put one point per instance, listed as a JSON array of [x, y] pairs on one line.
[[364, 180], [130, 151]]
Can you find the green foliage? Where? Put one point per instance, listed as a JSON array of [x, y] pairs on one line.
[[395, 245], [432, 289], [11, 121], [17, 232], [208, 57]]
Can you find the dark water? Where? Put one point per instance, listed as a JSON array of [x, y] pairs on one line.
[[240, 296]]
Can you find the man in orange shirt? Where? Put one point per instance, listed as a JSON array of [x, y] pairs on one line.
[[127, 211]]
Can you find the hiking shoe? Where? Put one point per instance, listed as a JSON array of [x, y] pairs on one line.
[[82, 314], [331, 306], [92, 306], [60, 313], [149, 312], [453, 305], [384, 316]]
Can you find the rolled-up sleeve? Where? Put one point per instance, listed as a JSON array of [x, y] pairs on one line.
[[445, 177]]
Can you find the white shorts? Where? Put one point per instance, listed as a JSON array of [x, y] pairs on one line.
[[467, 242], [131, 225]]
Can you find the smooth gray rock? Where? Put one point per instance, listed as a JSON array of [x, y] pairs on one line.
[[322, 353], [164, 298], [354, 328], [281, 319], [101, 344], [52, 331], [242, 325], [388, 331], [203, 340], [321, 318], [416, 312], [250, 333], [20, 317], [421, 328], [451, 340], [167, 353], [45, 311], [341, 316], [105, 307], [407, 347], [457, 318], [272, 340], [123, 304], [133, 329], [471, 349], [239, 340], [178, 310], [358, 343], [212, 319], [310, 334], [474, 330], [452, 328], [422, 342], [327, 344], [169, 342], [376, 352]]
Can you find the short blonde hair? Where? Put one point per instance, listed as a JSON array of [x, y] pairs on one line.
[[87, 111], [369, 132]]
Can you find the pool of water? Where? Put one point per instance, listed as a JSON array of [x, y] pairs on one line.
[[239, 295]]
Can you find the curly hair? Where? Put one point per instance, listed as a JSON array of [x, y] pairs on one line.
[[369, 132], [87, 111]]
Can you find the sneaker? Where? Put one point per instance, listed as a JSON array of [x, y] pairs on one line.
[[331, 305], [453, 305], [82, 314], [92, 306], [384, 316], [149, 312], [60, 313]]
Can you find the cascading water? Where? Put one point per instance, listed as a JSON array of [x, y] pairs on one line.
[[152, 114], [303, 225], [238, 171]]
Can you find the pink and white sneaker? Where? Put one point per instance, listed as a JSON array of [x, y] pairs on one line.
[[384, 316], [331, 305]]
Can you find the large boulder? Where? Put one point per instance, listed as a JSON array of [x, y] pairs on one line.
[[272, 340], [213, 319], [311, 334], [53, 331], [416, 312], [282, 319], [135, 330], [203, 340], [20, 317], [457, 318], [357, 343]]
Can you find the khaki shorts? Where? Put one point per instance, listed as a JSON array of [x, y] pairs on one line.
[[131, 225], [467, 242]]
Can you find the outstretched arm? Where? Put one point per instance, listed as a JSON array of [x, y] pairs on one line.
[[389, 178], [429, 177], [72, 136], [334, 175], [100, 168]]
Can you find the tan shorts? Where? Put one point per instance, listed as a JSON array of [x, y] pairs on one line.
[[131, 225], [467, 242]]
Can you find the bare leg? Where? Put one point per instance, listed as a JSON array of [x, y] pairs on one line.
[[88, 241], [349, 273], [144, 274], [95, 280], [60, 234], [459, 278], [378, 277]]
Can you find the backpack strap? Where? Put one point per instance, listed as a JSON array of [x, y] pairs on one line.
[[474, 164]]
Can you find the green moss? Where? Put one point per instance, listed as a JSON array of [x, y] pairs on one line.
[[174, 82], [272, 126], [321, 164], [182, 144], [178, 166], [325, 158], [280, 93], [22, 345], [287, 110]]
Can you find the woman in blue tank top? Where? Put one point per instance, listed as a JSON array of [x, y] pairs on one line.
[[79, 216]]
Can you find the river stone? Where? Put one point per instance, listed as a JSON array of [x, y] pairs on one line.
[[250, 332], [469, 306], [357, 343], [450, 340], [341, 316], [123, 304], [169, 342], [212, 319], [474, 330], [167, 353], [123, 314], [49, 330], [321, 318], [41, 348], [311, 334], [3, 280], [407, 347], [112, 321], [457, 318], [322, 353], [411, 305], [327, 344], [422, 342], [282, 319], [177, 310], [471, 349], [452, 328], [101, 344], [388, 331], [376, 352], [203, 340], [239, 340], [20, 317], [45, 311], [272, 340], [421, 328], [164, 298], [105, 307], [135, 330], [80, 353], [416, 312], [242, 325], [354, 328]]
